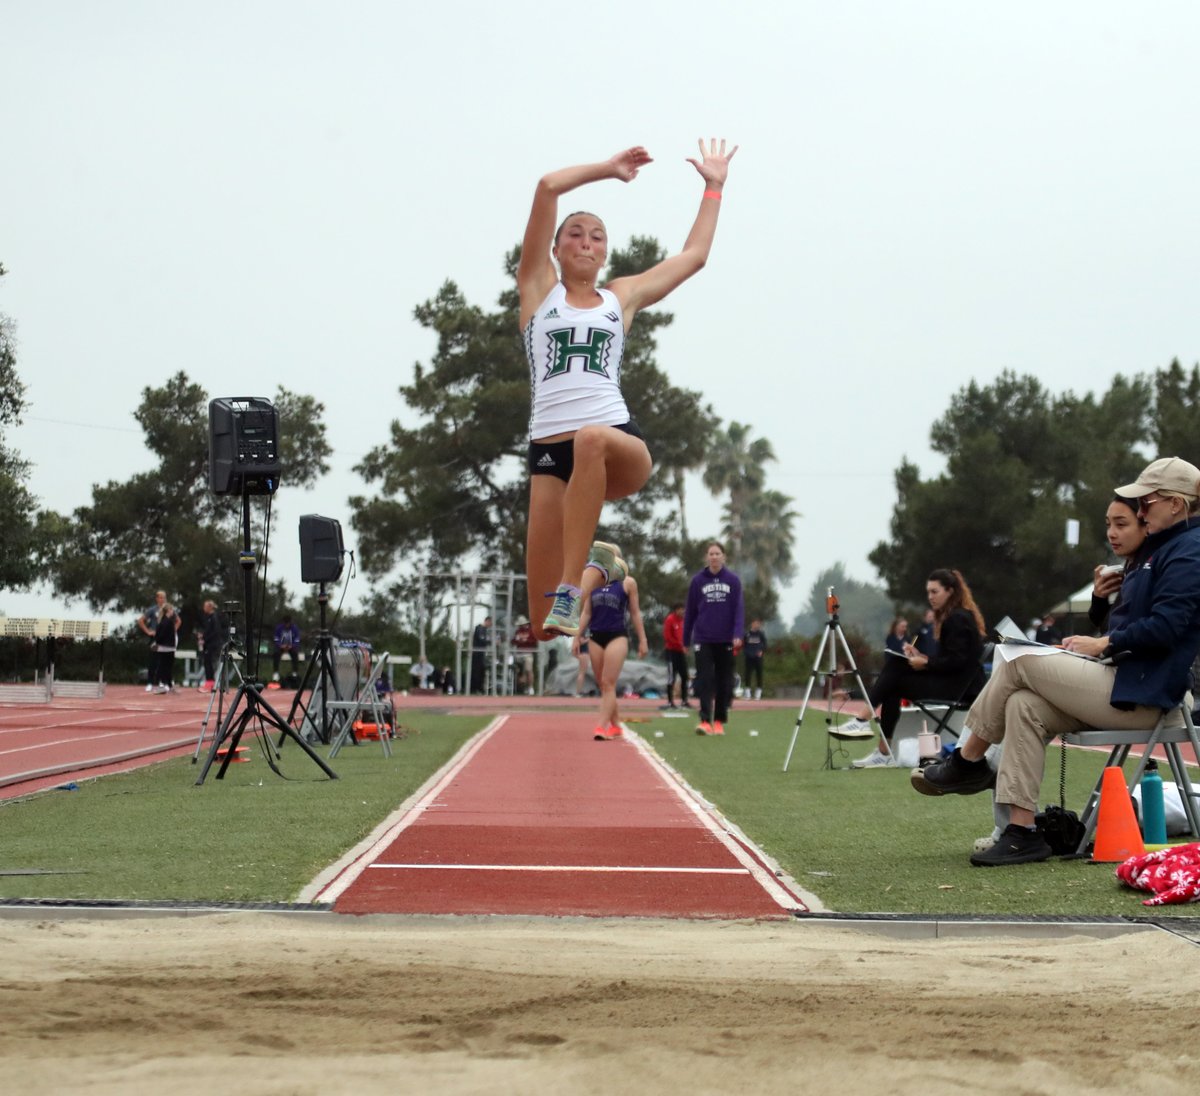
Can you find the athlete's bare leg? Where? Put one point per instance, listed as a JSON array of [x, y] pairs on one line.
[[606, 666], [543, 546], [609, 464]]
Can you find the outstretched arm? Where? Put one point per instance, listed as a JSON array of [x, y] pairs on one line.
[[535, 273], [635, 615], [642, 290]]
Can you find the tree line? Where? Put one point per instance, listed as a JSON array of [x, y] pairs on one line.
[[443, 493], [1020, 462], [445, 490]]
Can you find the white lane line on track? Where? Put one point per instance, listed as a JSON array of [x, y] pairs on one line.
[[327, 886], [98, 721], [558, 867], [724, 832], [64, 742]]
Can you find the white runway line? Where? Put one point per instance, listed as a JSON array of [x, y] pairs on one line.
[[558, 867], [334, 880], [791, 897]]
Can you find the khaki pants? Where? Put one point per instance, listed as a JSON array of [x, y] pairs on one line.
[[1031, 700]]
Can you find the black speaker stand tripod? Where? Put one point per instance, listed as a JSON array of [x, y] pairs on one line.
[[249, 708], [319, 670]]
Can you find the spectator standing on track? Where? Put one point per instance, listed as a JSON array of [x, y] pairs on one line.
[[481, 642], [754, 646], [166, 639], [675, 652], [211, 636], [148, 623], [713, 623], [525, 645]]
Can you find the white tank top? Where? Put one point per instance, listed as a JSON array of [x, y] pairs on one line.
[[575, 365]]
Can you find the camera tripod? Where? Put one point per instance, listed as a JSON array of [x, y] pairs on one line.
[[320, 667], [226, 665], [833, 626], [248, 707]]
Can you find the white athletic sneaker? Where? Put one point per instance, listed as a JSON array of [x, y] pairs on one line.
[[874, 760], [982, 844], [149, 688], [853, 728]]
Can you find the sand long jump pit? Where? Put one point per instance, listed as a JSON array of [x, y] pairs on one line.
[[317, 1003]]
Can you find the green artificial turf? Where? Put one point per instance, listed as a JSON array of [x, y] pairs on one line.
[[865, 841], [250, 837]]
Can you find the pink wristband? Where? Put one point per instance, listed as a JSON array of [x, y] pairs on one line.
[[715, 195]]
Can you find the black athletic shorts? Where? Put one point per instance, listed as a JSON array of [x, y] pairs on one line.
[[557, 458], [603, 639]]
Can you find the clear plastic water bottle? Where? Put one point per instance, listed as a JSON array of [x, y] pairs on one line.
[[1154, 818]]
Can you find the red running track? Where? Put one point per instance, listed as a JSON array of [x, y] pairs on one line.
[[535, 817], [46, 745]]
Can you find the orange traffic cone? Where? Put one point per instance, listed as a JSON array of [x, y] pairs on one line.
[[1117, 833]]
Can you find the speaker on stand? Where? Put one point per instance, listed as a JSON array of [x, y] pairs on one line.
[[321, 561]]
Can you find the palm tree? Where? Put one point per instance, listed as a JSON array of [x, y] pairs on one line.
[[735, 464], [767, 535]]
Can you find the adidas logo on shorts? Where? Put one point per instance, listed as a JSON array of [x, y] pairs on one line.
[[547, 461]]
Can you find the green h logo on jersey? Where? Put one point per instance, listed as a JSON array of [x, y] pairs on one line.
[[594, 352]]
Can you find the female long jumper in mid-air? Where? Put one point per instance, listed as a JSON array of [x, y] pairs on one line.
[[584, 448]]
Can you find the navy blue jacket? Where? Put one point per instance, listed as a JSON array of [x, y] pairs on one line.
[[1158, 620]]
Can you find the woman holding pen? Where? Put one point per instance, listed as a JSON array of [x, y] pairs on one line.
[[959, 630]]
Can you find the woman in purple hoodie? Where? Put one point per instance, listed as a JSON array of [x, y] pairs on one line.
[[713, 623]]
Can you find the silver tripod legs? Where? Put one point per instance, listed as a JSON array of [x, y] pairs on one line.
[[832, 626], [225, 665]]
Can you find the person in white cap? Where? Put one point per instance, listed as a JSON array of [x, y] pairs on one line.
[[1152, 639]]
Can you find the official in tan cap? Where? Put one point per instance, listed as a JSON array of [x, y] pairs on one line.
[[1153, 637], [1166, 476]]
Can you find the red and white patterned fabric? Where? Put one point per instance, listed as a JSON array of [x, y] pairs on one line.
[[1172, 874]]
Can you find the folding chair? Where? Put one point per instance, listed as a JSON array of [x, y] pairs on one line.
[[1169, 738], [941, 711], [366, 700]]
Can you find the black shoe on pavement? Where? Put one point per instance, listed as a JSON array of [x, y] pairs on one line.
[[1016, 845], [954, 776], [666, 708], [685, 704]]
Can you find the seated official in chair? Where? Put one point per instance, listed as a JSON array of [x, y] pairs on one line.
[[1125, 531], [955, 668], [1153, 636]]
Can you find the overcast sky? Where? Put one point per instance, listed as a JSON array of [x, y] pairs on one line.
[[258, 193]]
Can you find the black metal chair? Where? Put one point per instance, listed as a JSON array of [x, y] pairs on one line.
[[939, 711]]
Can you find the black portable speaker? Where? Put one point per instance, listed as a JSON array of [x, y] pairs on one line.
[[243, 446], [321, 549]]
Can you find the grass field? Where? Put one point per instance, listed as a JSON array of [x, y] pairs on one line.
[[863, 841], [251, 837]]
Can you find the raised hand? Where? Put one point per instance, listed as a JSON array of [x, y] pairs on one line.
[[625, 164], [714, 162]]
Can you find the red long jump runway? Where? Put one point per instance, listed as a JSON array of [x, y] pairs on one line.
[[535, 817], [44, 745]]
